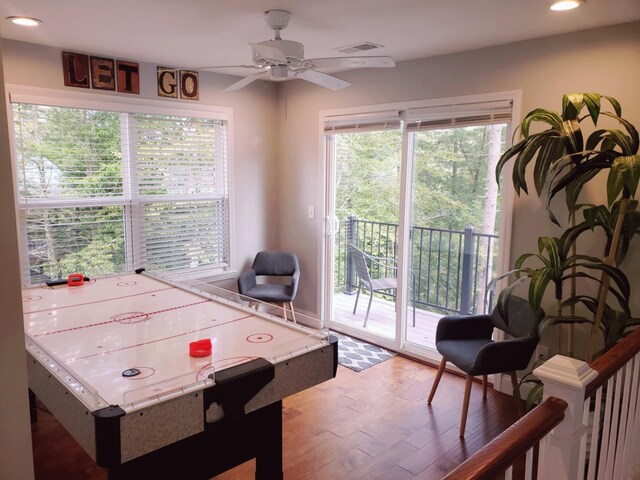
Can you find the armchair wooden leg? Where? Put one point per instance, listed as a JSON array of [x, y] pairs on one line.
[[484, 386], [293, 312], [465, 404], [284, 310], [516, 392], [434, 387]]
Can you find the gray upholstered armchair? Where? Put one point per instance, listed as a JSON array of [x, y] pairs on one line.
[[272, 264], [466, 342]]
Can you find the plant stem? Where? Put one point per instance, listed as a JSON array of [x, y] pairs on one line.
[[604, 286], [572, 293]]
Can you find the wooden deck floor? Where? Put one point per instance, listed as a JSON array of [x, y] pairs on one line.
[[370, 425], [382, 318]]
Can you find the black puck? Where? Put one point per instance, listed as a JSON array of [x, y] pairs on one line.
[[131, 372]]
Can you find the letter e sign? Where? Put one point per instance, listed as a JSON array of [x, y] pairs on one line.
[[103, 73]]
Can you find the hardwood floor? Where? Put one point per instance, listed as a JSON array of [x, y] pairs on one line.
[[369, 425]]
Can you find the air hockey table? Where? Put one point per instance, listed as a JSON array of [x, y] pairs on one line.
[[110, 359]]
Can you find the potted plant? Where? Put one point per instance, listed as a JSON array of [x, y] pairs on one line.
[[564, 162]]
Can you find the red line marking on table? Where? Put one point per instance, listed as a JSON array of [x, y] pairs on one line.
[[99, 301], [259, 338], [32, 298], [157, 340], [117, 320]]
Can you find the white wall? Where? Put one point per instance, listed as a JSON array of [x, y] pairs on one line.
[[254, 110], [15, 433], [605, 60]]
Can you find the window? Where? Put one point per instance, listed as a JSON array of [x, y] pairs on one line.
[[101, 191]]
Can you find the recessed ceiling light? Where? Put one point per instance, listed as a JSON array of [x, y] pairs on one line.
[[25, 21], [566, 4]]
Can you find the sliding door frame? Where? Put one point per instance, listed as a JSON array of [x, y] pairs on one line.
[[328, 209]]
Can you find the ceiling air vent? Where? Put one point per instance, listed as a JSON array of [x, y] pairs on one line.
[[358, 47]]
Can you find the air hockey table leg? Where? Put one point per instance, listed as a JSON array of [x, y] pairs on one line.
[[269, 455], [33, 408]]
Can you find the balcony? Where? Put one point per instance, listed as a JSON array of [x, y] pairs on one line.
[[450, 270]]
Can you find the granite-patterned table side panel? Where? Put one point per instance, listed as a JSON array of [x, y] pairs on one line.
[[294, 375], [161, 424], [68, 410]]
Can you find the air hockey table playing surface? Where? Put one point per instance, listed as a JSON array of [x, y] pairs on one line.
[[80, 340]]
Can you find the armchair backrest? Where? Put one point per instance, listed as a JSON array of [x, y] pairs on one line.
[[360, 263], [523, 319], [280, 264]]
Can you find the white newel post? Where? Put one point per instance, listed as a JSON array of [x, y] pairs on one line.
[[564, 378]]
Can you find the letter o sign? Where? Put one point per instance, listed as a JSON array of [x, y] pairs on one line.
[[189, 88]]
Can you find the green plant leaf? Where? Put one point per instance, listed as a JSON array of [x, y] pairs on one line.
[[615, 104], [592, 101], [535, 396], [550, 152], [552, 246], [573, 190], [541, 115], [595, 138], [572, 103], [506, 156], [539, 281], [625, 172], [631, 130]]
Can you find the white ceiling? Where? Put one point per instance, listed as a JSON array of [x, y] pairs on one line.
[[197, 33]]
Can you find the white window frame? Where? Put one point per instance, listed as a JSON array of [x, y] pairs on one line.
[[98, 101]]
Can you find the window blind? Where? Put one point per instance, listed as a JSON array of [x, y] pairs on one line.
[[364, 122], [184, 159], [459, 115], [102, 192]]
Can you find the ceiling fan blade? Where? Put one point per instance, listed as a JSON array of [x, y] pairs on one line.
[[244, 82], [322, 79], [269, 53], [353, 62]]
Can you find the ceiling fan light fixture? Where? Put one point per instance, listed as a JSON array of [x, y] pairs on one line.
[[562, 5], [25, 21]]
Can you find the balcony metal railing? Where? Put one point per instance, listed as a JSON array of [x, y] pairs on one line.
[[451, 268]]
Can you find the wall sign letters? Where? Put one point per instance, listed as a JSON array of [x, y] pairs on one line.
[[189, 88], [84, 71], [103, 73], [167, 82], [100, 73], [128, 76], [172, 80], [76, 69]]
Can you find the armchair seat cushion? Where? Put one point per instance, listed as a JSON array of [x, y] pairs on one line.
[[463, 353], [268, 292], [384, 283]]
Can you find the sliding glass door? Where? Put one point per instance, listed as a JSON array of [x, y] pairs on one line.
[[453, 246], [366, 160], [413, 205]]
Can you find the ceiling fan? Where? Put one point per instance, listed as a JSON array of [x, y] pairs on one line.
[[279, 59]]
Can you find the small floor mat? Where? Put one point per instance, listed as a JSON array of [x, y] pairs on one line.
[[358, 355]]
